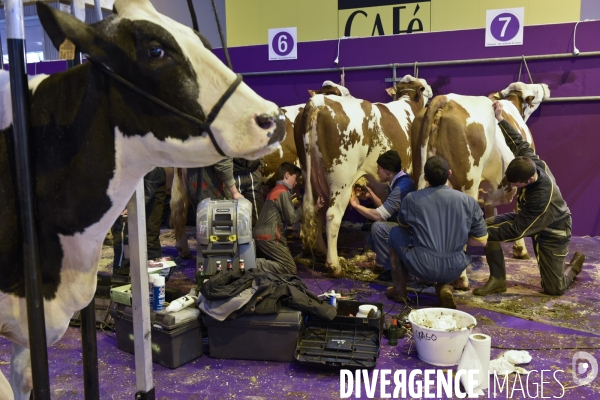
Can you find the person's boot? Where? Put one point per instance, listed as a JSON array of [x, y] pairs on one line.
[[444, 292], [497, 280], [398, 291], [574, 267]]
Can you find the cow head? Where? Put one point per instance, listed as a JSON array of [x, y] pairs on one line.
[[175, 65], [526, 97], [414, 88], [329, 87]]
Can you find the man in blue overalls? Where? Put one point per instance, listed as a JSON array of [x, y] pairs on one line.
[[389, 170], [435, 225]]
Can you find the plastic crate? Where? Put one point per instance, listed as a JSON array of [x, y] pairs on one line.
[[270, 337], [346, 342], [174, 341]]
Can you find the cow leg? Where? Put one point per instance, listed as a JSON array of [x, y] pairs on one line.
[[182, 243], [6, 391], [334, 219], [20, 372], [321, 246], [180, 203], [519, 250]]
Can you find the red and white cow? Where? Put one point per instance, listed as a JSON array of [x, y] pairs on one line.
[[93, 138], [342, 138], [464, 131], [180, 199], [288, 147]]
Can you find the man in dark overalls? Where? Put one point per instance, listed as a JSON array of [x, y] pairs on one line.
[[542, 214]]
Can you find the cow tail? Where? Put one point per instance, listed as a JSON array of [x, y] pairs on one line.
[[427, 136], [309, 216], [180, 202]]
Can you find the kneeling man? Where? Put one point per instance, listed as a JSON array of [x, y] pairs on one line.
[[435, 225]]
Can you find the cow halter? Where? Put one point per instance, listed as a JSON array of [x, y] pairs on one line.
[[203, 124]]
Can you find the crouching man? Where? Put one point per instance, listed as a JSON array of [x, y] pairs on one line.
[[542, 214], [272, 252], [435, 225]]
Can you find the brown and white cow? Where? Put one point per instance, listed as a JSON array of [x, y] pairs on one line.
[[288, 147], [464, 131], [92, 139], [342, 138], [180, 199]]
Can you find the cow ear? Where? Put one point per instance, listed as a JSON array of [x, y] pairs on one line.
[[312, 92], [61, 26], [391, 91]]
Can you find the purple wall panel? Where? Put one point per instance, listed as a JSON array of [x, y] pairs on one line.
[[564, 132]]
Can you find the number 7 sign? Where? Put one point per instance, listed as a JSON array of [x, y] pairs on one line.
[[504, 27], [282, 44]]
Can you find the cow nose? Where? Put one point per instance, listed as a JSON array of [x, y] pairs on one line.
[[265, 121], [278, 133]]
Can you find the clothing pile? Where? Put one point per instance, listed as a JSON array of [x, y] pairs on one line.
[[229, 295]]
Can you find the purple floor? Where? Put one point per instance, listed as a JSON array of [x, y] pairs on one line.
[[546, 336]]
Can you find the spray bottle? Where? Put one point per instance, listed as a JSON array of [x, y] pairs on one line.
[[182, 302], [159, 293], [151, 289]]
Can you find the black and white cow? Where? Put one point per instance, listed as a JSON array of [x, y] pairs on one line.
[[92, 139]]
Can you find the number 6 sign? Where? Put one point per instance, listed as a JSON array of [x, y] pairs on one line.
[[504, 27], [282, 44]]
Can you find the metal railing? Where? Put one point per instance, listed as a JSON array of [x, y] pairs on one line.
[[416, 65]]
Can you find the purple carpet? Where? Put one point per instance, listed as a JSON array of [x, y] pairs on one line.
[[548, 339]]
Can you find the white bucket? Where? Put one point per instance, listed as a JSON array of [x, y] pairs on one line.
[[441, 334]]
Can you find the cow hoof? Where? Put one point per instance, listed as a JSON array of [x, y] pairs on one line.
[[462, 282], [334, 271], [186, 255], [518, 255]]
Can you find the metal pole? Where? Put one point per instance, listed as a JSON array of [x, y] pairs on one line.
[[427, 64], [1, 55], [98, 10], [394, 80], [136, 210], [15, 41], [193, 15], [223, 42], [574, 98]]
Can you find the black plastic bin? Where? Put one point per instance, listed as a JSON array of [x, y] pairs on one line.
[[173, 343], [346, 342], [269, 337]]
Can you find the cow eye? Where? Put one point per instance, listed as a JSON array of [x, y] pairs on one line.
[[156, 52]]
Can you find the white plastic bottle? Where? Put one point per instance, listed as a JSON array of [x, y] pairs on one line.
[[159, 293], [181, 303]]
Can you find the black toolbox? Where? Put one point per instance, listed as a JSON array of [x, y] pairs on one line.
[[346, 342], [176, 337], [268, 337]]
